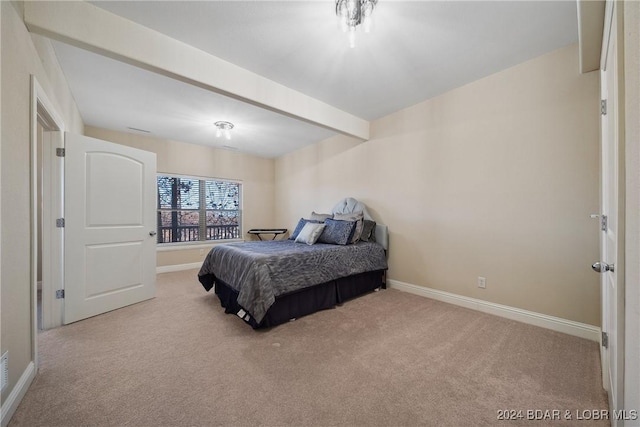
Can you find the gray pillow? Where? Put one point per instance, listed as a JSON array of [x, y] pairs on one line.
[[354, 216], [310, 233], [320, 216], [337, 232], [368, 231]]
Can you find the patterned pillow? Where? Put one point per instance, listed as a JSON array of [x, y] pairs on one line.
[[354, 216], [310, 233], [320, 216], [337, 232], [368, 231], [301, 224]]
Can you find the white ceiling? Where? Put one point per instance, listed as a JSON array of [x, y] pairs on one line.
[[416, 50]]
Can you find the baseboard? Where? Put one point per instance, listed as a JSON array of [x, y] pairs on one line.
[[177, 267], [557, 324], [15, 397]]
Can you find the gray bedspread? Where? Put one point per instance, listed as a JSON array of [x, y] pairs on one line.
[[260, 271]]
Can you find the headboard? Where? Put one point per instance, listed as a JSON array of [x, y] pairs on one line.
[[350, 205]]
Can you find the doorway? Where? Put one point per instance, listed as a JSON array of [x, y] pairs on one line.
[[46, 203]]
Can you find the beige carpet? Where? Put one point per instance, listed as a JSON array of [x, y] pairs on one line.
[[387, 358]]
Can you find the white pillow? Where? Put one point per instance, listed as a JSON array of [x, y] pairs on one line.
[[310, 233]]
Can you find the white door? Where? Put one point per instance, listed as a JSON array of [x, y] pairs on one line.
[[611, 259], [110, 226]]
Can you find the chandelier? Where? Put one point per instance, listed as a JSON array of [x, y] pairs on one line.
[[352, 13], [223, 128]]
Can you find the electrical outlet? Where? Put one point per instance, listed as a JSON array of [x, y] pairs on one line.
[[482, 282]]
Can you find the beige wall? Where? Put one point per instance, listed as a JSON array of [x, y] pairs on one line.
[[20, 59], [174, 157], [494, 179]]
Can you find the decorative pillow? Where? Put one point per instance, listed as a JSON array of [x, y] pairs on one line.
[[320, 217], [301, 224], [310, 233], [355, 216], [337, 232], [368, 231]]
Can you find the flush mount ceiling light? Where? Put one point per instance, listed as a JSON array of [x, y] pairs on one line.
[[223, 129], [352, 13]]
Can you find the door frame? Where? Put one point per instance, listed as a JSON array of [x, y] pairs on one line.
[[43, 111], [632, 148], [614, 14]]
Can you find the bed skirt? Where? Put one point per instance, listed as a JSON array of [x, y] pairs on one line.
[[304, 301]]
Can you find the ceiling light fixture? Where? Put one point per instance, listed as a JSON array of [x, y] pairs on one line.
[[223, 129], [352, 13]]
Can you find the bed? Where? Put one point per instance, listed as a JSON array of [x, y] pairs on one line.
[[267, 283]]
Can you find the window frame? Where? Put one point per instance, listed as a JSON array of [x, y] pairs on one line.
[[202, 211]]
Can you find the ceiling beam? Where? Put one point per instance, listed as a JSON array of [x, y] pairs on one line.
[[87, 26], [590, 27]]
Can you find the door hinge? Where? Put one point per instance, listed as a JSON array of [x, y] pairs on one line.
[[60, 152], [60, 222], [60, 294], [603, 107], [603, 221], [605, 340]]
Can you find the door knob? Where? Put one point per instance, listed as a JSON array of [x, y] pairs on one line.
[[153, 233], [602, 267]]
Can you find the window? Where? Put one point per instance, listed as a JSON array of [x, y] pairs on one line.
[[195, 209]]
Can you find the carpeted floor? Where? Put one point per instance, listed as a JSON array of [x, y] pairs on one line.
[[387, 358]]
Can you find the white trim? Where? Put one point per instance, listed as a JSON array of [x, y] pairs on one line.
[[608, 20], [199, 177], [52, 237], [632, 206], [177, 267], [557, 324], [18, 392], [168, 247], [52, 118]]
